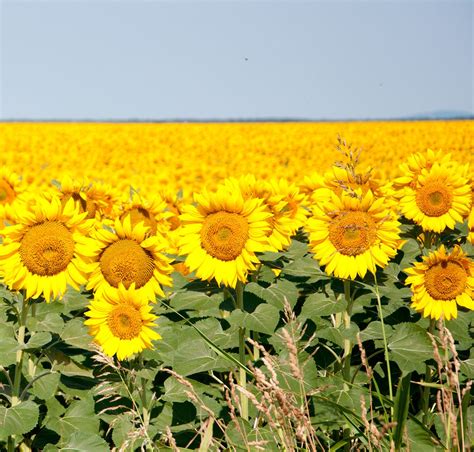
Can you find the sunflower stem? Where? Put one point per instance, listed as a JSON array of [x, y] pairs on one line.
[[425, 397], [385, 343], [19, 364], [242, 375], [346, 359], [346, 316], [19, 353], [428, 240]]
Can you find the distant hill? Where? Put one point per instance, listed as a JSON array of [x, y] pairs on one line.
[[433, 115], [443, 114]]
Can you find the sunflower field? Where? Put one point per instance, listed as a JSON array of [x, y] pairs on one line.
[[241, 286]]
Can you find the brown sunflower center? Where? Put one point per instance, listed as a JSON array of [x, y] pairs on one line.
[[140, 214], [126, 262], [445, 280], [434, 199], [125, 321], [224, 234], [47, 248], [352, 233], [7, 194]]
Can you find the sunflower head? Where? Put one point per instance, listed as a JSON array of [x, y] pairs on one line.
[[40, 253], [128, 255], [282, 200], [439, 198], [441, 282], [222, 233], [351, 235], [151, 212], [122, 323]]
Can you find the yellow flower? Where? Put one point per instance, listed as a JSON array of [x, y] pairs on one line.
[[152, 212], [441, 282], [283, 201], [351, 235], [440, 198], [128, 256], [415, 164], [470, 223], [11, 188], [121, 323], [41, 252], [221, 235]]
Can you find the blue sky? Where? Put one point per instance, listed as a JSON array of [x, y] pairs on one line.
[[107, 59]]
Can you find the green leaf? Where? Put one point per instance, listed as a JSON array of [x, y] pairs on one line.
[[319, 304], [37, 340], [79, 417], [45, 387], [276, 293], [19, 419], [374, 331], [263, 320], [75, 333], [190, 300], [402, 402], [52, 322], [122, 426], [467, 368], [420, 440], [410, 347], [306, 267], [85, 442], [8, 349]]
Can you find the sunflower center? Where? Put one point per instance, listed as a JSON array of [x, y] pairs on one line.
[[47, 248], [224, 234], [434, 199], [352, 233], [125, 322], [140, 214], [7, 194], [126, 262], [445, 280]]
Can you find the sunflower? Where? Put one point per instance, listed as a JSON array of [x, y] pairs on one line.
[[129, 256], [470, 224], [152, 212], [441, 282], [283, 201], [11, 188], [415, 164], [73, 189], [351, 235], [440, 198], [41, 252], [221, 235], [121, 323], [105, 198]]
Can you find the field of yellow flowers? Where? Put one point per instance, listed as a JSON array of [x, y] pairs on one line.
[[241, 286]]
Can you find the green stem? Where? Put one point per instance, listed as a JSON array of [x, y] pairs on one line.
[[425, 397], [11, 444], [146, 417], [385, 343], [19, 353], [346, 316], [346, 366], [19, 364], [242, 375], [428, 240]]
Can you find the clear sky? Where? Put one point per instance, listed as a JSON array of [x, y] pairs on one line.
[[106, 59]]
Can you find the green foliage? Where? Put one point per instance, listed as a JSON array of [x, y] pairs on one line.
[[72, 397]]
